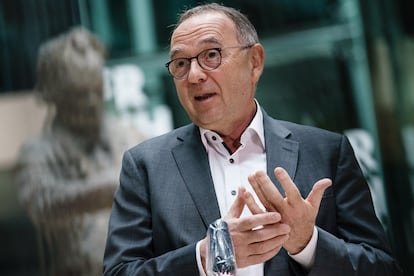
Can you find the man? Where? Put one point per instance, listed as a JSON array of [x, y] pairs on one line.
[[172, 187]]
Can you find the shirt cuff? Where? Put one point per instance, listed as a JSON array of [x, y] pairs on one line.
[[199, 263], [306, 257]]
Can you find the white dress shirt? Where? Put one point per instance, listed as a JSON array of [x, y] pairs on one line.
[[230, 171]]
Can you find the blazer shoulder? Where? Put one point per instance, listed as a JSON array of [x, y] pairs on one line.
[[298, 131], [295, 131]]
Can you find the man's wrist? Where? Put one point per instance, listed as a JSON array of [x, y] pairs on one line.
[[201, 257], [306, 257]]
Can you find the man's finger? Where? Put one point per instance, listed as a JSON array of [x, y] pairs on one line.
[[251, 204], [315, 196], [258, 220], [256, 187], [237, 207], [267, 192], [292, 192]]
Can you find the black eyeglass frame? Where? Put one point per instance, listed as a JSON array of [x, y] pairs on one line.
[[189, 59]]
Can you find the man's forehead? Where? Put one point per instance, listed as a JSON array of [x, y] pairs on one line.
[[207, 41]]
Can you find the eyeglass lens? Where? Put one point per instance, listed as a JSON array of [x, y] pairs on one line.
[[208, 59]]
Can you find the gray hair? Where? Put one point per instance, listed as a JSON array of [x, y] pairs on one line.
[[245, 31]]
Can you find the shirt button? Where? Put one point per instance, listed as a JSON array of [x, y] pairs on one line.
[[231, 160], [233, 192], [214, 138]]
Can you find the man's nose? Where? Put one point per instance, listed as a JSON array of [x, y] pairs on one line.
[[196, 74]]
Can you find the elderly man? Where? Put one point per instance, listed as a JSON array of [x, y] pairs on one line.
[[293, 196]]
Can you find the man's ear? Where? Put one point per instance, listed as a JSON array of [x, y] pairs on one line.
[[257, 61]]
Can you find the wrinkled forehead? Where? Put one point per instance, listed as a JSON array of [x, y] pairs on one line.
[[210, 28]]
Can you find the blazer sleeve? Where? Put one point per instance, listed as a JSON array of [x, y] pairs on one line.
[[352, 241], [130, 246]]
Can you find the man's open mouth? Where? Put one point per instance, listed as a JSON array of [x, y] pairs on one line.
[[204, 97]]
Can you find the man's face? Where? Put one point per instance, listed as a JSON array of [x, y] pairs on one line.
[[223, 98]]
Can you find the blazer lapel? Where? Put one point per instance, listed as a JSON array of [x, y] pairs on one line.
[[192, 162], [280, 151]]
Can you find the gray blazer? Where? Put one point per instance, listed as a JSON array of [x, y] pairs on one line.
[[166, 201]]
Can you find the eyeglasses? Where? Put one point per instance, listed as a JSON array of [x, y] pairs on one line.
[[208, 60]]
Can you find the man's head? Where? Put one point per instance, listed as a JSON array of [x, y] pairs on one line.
[[218, 87], [69, 76]]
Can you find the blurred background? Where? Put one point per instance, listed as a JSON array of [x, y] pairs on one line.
[[343, 65]]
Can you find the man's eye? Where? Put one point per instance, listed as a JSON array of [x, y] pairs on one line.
[[180, 63], [211, 54]]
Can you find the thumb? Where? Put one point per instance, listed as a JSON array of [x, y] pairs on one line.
[[315, 196], [237, 207]]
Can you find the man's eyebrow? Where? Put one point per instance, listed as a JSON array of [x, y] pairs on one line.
[[208, 40], [174, 52]]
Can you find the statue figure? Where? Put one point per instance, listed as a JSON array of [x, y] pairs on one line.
[[67, 177]]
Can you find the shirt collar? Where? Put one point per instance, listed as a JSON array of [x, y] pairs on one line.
[[252, 132]]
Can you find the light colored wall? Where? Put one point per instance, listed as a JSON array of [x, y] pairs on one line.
[[21, 118]]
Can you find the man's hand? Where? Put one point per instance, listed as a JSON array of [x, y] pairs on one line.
[[256, 238], [300, 214]]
